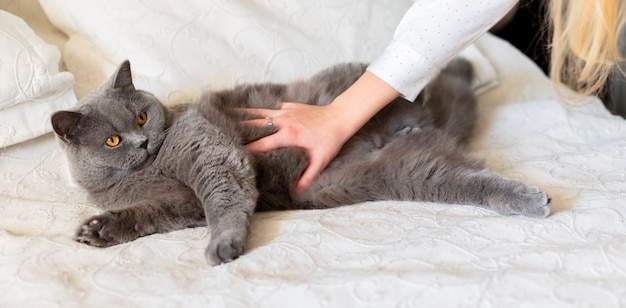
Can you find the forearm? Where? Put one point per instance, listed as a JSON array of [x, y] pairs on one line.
[[429, 35], [359, 103]]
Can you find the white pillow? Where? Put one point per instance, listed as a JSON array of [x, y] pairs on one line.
[[31, 86], [178, 48]]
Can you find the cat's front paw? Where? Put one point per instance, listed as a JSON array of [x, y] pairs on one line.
[[225, 246], [105, 230]]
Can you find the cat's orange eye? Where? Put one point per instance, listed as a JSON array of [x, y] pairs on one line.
[[113, 141], [142, 118]]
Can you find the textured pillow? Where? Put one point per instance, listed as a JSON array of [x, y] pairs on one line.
[[178, 48], [31, 86]]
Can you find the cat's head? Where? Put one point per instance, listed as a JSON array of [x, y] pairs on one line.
[[114, 129]]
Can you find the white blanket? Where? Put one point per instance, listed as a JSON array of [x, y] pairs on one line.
[[379, 254]]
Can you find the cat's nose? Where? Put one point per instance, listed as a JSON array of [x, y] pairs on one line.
[[144, 145]]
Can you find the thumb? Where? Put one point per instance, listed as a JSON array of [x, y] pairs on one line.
[[265, 144], [261, 145]]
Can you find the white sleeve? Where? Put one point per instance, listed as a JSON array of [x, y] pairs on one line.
[[430, 34]]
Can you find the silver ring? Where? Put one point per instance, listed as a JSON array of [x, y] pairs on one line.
[[270, 121]]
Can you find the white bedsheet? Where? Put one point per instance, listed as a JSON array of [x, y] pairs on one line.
[[379, 254]]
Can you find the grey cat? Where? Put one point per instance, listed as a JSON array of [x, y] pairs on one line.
[[158, 169]]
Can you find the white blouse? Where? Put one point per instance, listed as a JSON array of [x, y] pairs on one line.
[[430, 34]]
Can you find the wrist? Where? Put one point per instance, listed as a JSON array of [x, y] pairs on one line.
[[359, 103]]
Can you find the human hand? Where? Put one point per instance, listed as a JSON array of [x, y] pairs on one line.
[[318, 130], [322, 130]]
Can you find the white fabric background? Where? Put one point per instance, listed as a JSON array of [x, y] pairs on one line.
[[381, 254]]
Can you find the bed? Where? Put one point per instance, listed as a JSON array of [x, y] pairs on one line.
[[376, 254]]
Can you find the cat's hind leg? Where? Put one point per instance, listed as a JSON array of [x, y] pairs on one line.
[[451, 100], [411, 168], [407, 169], [482, 188], [489, 190]]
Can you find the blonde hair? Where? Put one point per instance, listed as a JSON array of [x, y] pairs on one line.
[[585, 35]]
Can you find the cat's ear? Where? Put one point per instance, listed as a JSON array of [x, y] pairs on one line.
[[65, 123], [122, 79]]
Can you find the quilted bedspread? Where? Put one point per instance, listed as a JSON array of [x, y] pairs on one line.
[[377, 254]]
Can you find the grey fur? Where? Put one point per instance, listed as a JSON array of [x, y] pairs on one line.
[[187, 166]]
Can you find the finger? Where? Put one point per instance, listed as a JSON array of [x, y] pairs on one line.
[[259, 146], [290, 105], [309, 175], [271, 142], [261, 122], [261, 113]]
